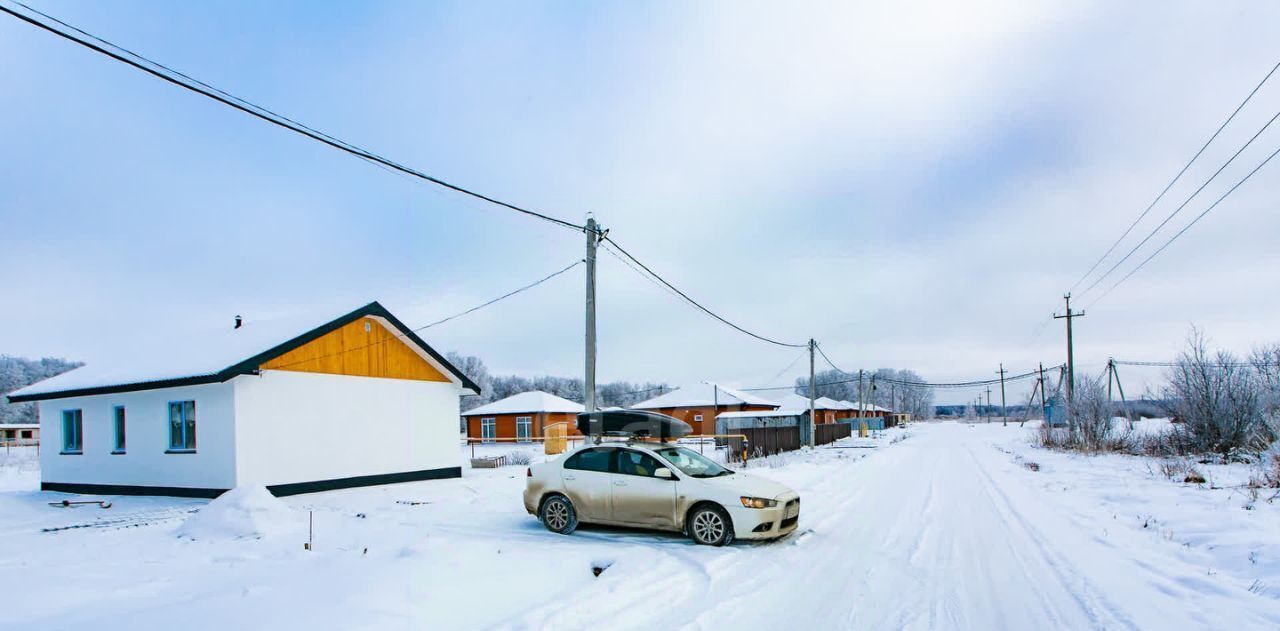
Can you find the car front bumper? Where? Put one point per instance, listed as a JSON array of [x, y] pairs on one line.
[[766, 523]]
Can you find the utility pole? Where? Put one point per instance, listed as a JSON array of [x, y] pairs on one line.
[[862, 397], [1004, 413], [988, 404], [1044, 403], [1071, 358], [589, 379], [813, 394]]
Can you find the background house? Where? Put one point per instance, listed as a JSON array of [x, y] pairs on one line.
[[825, 410], [522, 416], [699, 404], [269, 403], [19, 434]]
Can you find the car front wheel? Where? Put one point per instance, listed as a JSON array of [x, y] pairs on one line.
[[558, 516], [710, 526]]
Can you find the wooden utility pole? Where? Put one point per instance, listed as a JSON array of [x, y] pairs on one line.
[[813, 394], [988, 404], [1044, 403], [589, 378], [1071, 359], [862, 397], [1004, 412]]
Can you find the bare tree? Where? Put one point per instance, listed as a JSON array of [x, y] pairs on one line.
[[1221, 401]]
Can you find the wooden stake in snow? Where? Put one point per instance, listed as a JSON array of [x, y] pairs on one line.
[[311, 530]]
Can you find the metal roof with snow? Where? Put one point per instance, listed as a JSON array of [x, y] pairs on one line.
[[796, 401], [214, 356], [702, 395], [764, 413], [531, 402]]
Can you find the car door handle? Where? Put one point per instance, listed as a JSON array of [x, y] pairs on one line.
[[619, 483], [569, 477]]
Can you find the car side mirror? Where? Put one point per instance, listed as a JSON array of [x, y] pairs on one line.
[[664, 473]]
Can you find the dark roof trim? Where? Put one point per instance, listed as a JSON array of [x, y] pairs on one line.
[[250, 365]]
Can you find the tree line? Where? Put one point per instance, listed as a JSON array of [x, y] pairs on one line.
[[876, 390], [18, 372]]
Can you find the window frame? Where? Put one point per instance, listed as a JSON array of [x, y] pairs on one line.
[[658, 463], [612, 466], [190, 439], [77, 419], [119, 430], [491, 423], [527, 422]]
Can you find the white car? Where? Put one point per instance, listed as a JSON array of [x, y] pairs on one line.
[[661, 486]]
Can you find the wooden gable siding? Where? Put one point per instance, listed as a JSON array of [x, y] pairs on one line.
[[362, 348]]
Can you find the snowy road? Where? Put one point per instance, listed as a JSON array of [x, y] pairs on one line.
[[945, 529]]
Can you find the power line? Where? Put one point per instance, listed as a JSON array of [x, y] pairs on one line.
[[441, 321], [1184, 204], [695, 303], [1176, 177], [1185, 228], [184, 81]]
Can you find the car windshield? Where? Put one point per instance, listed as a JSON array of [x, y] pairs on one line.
[[692, 463]]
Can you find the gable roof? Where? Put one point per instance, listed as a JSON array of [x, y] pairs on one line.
[[703, 394], [796, 401], [532, 401], [216, 356]]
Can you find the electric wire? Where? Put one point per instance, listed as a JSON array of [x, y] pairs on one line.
[[1185, 228], [1184, 204], [184, 81], [695, 303], [1176, 177], [441, 321]]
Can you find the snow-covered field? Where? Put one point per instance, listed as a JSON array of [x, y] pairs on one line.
[[946, 528]]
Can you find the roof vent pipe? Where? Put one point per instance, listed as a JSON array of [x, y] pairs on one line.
[[239, 322]]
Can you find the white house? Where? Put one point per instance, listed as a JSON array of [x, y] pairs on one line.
[[260, 402]]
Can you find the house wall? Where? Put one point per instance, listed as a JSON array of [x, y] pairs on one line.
[[708, 423], [505, 424], [296, 427], [145, 461]]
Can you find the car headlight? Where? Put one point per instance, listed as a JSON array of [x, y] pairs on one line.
[[758, 502]]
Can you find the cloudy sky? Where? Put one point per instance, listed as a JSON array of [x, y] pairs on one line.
[[914, 185]]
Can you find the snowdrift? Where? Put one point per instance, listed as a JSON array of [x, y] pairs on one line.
[[249, 512]]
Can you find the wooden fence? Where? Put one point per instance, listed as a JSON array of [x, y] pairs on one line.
[[767, 441], [831, 432]]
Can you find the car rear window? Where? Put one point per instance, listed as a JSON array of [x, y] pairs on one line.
[[590, 460]]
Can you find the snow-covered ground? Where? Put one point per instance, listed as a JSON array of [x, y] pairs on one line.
[[947, 528]]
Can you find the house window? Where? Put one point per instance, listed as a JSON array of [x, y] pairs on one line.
[[26, 433], [182, 426], [72, 432], [697, 418], [118, 425], [488, 430], [524, 428]]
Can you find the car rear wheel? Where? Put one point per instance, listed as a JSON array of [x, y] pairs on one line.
[[558, 516], [710, 526]]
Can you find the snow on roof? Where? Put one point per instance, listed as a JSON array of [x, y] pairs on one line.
[[19, 426], [764, 413], [703, 394], [870, 407], [532, 401], [796, 401], [202, 353]]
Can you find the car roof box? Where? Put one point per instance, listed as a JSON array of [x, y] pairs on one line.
[[632, 423]]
